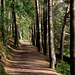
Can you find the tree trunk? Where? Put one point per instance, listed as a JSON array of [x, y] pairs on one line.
[[16, 31], [72, 36], [19, 30], [62, 42], [33, 33], [28, 33], [42, 27], [22, 33], [47, 29], [38, 27], [2, 20], [40, 30], [13, 26], [63, 34], [52, 48], [45, 26], [9, 21], [62, 39]]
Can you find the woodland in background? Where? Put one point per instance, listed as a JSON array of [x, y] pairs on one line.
[[47, 24]]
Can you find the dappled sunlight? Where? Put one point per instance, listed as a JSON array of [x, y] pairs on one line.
[[31, 71], [37, 37], [27, 61]]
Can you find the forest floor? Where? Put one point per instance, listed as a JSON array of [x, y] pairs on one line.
[[27, 61]]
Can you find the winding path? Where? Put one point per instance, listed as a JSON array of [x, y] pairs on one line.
[[27, 61]]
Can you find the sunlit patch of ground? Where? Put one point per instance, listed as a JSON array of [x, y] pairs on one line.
[[27, 61]]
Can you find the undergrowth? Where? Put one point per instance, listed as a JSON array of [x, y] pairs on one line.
[[61, 66], [4, 53], [2, 71]]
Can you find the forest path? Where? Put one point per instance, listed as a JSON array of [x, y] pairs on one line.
[[27, 61]]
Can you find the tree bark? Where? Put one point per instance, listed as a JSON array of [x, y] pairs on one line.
[[16, 30], [37, 28], [38, 22], [13, 25], [42, 26], [62, 42], [72, 36], [52, 47], [33, 33], [47, 41], [22, 33], [9, 21], [19, 30], [2, 20], [63, 35], [45, 26], [62, 38]]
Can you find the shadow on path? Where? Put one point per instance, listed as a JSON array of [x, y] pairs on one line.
[[27, 61]]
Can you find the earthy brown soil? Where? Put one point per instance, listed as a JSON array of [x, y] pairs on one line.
[[27, 61]]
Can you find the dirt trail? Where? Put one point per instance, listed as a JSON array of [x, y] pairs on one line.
[[27, 61]]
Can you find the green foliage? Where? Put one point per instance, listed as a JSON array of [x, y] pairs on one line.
[[24, 10], [21, 41], [4, 51], [2, 71], [59, 13], [63, 67], [30, 42]]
